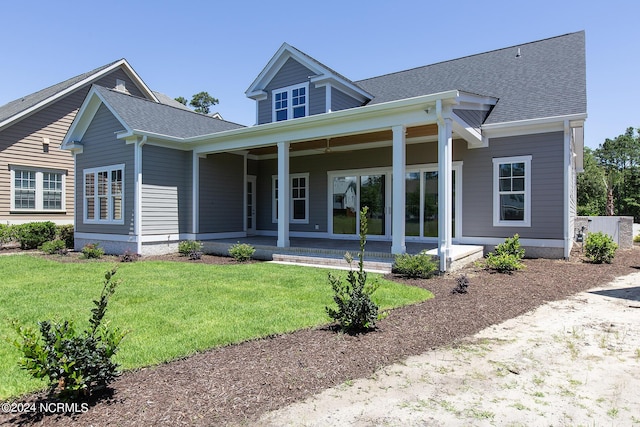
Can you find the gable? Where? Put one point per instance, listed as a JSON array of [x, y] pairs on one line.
[[291, 73]]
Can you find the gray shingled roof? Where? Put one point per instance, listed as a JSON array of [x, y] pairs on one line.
[[167, 100], [148, 116], [23, 103], [548, 79]]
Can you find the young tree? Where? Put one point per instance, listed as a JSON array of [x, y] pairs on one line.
[[592, 186], [202, 101]]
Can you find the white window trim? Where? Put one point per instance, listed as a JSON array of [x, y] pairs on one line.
[[289, 90], [497, 222], [97, 220], [39, 190], [274, 201]]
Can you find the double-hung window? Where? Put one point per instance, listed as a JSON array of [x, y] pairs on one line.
[[299, 202], [103, 195], [37, 190], [290, 102], [512, 191]]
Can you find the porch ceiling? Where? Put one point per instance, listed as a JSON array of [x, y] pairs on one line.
[[349, 140]]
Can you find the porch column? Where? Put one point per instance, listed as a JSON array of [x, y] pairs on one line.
[[398, 245], [137, 223], [444, 186], [283, 195]]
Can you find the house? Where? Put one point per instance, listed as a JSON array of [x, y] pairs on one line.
[[36, 177], [467, 151]]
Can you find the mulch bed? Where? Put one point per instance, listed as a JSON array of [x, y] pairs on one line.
[[236, 384]]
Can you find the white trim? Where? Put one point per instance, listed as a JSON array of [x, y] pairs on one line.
[[274, 204], [327, 98], [497, 161], [106, 237], [38, 190], [109, 169], [254, 181], [195, 193], [398, 194], [290, 107], [567, 176], [528, 127]]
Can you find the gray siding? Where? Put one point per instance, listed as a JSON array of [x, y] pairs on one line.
[[291, 73], [101, 148], [473, 117], [546, 186], [166, 192], [221, 193], [342, 101]]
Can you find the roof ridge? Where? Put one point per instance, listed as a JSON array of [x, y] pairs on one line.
[[467, 56]]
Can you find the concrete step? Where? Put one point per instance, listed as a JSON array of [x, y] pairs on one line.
[[372, 266]]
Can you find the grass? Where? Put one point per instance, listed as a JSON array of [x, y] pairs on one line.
[[171, 309]]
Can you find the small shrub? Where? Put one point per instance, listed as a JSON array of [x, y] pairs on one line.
[[6, 233], [76, 364], [503, 263], [65, 233], [33, 234], [415, 266], [600, 247], [242, 252], [195, 255], [510, 246], [129, 256], [54, 247], [356, 311], [186, 247], [637, 239], [92, 250], [462, 284]]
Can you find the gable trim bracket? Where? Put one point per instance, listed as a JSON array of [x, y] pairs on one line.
[[468, 133]]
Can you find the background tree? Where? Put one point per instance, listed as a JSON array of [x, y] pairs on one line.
[[182, 100], [202, 102], [592, 186]]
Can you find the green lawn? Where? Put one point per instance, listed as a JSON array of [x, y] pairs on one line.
[[171, 309]]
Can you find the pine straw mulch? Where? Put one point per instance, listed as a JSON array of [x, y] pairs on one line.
[[236, 384]]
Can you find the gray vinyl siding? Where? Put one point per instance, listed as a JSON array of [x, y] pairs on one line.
[[546, 186], [221, 193], [166, 190], [342, 101], [101, 148], [473, 117], [291, 73]]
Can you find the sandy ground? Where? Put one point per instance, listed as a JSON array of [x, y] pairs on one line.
[[571, 362]]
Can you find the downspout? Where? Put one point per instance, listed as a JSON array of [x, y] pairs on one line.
[[137, 227]]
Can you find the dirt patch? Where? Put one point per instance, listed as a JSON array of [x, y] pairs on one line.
[[238, 384]]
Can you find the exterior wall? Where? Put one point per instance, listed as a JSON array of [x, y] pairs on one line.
[[22, 144], [342, 101], [291, 73], [166, 191], [101, 148], [221, 193], [625, 228]]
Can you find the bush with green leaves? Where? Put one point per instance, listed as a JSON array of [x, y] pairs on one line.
[[510, 246], [65, 233], [75, 363], [242, 252], [54, 247], [33, 234], [415, 266], [637, 239], [6, 233], [506, 256], [187, 247], [92, 250], [356, 311], [600, 247]]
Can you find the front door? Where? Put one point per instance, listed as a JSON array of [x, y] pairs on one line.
[[251, 204]]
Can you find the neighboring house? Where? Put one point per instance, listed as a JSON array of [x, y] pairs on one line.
[[36, 177], [504, 128]]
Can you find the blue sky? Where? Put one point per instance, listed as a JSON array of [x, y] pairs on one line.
[[184, 47]]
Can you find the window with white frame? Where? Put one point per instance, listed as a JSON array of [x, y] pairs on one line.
[[35, 190], [290, 102], [299, 202], [512, 191], [103, 195]]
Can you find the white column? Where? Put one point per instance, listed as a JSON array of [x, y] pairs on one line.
[[444, 190], [195, 194], [137, 225], [283, 195], [398, 245]]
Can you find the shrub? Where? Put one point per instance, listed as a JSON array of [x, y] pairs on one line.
[[92, 250], [6, 233], [65, 233], [129, 256], [356, 311], [637, 239], [462, 284], [75, 363], [415, 266], [600, 247], [242, 252], [195, 255], [510, 246], [186, 247], [33, 234], [503, 263], [54, 247]]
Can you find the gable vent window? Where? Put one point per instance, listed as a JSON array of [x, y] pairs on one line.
[[291, 102], [121, 86]]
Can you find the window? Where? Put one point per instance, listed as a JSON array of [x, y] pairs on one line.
[[299, 203], [37, 190], [290, 103], [103, 194], [512, 191]]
